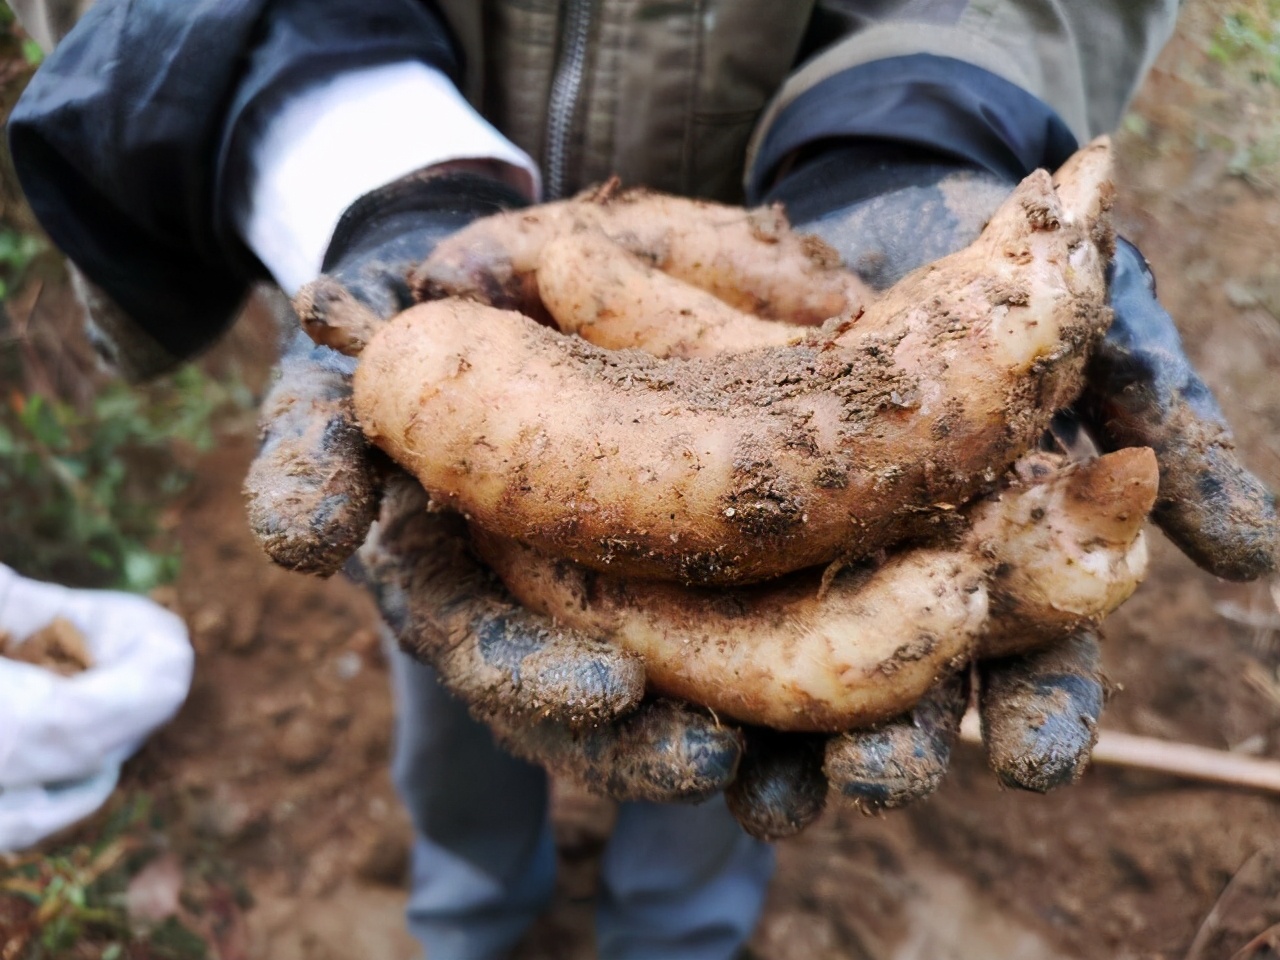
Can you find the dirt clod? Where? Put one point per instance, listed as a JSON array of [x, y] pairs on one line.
[[59, 646]]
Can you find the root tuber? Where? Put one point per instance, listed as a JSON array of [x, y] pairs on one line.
[[750, 259], [1066, 553], [789, 656], [742, 468], [593, 287], [731, 449]]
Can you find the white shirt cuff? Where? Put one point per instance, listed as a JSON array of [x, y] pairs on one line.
[[334, 142]]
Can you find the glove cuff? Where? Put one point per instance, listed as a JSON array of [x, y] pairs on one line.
[[449, 196], [837, 175], [937, 106]]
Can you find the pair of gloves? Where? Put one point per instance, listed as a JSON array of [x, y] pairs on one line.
[[885, 218]]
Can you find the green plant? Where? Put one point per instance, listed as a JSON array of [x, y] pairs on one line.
[[71, 901], [85, 475], [31, 51], [83, 491], [17, 250], [1251, 37]]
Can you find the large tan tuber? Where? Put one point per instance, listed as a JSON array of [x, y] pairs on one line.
[[1061, 545], [736, 469], [1067, 553], [595, 288], [749, 259]]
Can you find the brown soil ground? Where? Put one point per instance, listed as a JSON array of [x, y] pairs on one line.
[[278, 762]]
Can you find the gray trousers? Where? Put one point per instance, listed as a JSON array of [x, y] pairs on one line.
[[676, 881]]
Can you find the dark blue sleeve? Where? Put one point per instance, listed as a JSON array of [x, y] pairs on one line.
[[130, 135], [916, 106]]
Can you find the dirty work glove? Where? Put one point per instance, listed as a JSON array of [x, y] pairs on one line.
[[1140, 390], [313, 489], [552, 696], [891, 208], [563, 700]]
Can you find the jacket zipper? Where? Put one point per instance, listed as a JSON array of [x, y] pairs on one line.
[[566, 87]]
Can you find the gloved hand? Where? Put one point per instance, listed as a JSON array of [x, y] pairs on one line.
[[313, 488], [888, 210], [551, 696]]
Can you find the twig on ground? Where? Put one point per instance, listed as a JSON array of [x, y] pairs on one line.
[[1164, 756], [1263, 946], [1213, 919]]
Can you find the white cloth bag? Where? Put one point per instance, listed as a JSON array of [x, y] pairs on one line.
[[62, 739]]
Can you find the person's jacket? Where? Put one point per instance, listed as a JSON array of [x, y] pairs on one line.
[[133, 132]]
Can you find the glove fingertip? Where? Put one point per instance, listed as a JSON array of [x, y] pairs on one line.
[[670, 753], [902, 761], [664, 752], [333, 317], [780, 788], [1224, 519], [312, 493], [1040, 714], [885, 770]]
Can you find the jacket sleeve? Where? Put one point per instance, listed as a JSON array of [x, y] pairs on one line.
[[135, 128], [1007, 85]]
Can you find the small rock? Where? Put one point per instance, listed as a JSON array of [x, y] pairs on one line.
[[242, 636], [366, 644], [383, 854], [227, 816], [347, 665], [152, 894], [209, 626], [303, 742], [326, 868], [1239, 295]]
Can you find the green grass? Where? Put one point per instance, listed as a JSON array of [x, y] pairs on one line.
[[1251, 37], [70, 901], [83, 492]]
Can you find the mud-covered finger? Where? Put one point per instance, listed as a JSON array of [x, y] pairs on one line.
[[1040, 712], [1214, 510], [333, 317], [1141, 390], [662, 752], [495, 656], [903, 760], [780, 788], [312, 491]]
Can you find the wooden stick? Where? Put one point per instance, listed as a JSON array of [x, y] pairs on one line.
[[1164, 756]]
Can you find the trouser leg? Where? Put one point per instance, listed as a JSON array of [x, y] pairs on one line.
[[681, 882], [484, 855]]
